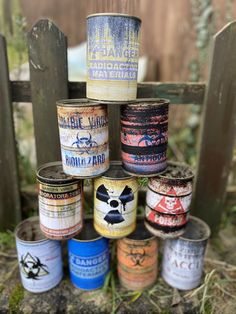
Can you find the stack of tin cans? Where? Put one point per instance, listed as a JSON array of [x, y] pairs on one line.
[[112, 64]]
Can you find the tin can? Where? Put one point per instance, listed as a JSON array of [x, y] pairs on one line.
[[83, 130], [115, 202], [137, 259], [40, 259], [168, 200], [112, 56], [183, 258], [60, 202], [88, 258], [144, 126]]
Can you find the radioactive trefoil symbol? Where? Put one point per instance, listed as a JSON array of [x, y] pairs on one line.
[[32, 267], [117, 203]]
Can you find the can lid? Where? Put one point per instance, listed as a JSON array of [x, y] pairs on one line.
[[88, 233], [196, 230], [136, 102], [116, 172], [80, 102], [28, 231], [114, 14], [140, 233], [52, 172], [176, 171]]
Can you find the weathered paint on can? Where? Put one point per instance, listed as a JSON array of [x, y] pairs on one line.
[[137, 259], [168, 201], [112, 56], [40, 259], [183, 258], [115, 202], [88, 258], [83, 130], [144, 126], [60, 202]]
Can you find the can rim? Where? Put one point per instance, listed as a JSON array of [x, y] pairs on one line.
[[135, 102], [86, 220], [76, 102], [34, 219], [207, 230], [140, 222], [42, 179], [116, 163], [114, 14], [175, 163]]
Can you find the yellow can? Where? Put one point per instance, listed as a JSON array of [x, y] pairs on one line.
[[115, 203]]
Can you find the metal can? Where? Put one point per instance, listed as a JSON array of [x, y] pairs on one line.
[[83, 130], [137, 259], [144, 126], [60, 202], [40, 259], [168, 200], [115, 202], [112, 56], [88, 258], [183, 258]]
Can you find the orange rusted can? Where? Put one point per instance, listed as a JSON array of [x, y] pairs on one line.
[[137, 259]]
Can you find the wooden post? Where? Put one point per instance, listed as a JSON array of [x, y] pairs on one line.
[[10, 212], [218, 130], [49, 83]]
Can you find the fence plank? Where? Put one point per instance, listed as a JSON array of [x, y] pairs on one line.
[[49, 83], [178, 93], [218, 129], [10, 212]]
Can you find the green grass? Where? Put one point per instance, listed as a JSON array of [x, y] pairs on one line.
[[15, 298], [7, 240]]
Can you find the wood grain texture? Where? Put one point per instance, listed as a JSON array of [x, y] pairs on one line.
[[10, 209], [218, 130], [178, 93], [49, 76]]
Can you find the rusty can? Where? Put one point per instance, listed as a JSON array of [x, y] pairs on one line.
[[183, 258], [137, 259], [112, 56], [40, 259], [115, 202], [88, 258], [83, 130], [168, 200], [144, 126], [60, 202]]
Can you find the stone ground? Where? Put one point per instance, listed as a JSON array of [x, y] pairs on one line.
[[217, 294]]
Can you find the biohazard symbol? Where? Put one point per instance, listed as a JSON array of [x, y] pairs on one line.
[[137, 257], [32, 267]]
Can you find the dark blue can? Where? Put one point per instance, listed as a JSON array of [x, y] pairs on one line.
[[88, 258]]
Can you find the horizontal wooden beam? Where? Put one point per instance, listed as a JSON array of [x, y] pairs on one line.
[[177, 93]]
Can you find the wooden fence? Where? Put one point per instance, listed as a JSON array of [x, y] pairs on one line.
[[49, 82]]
